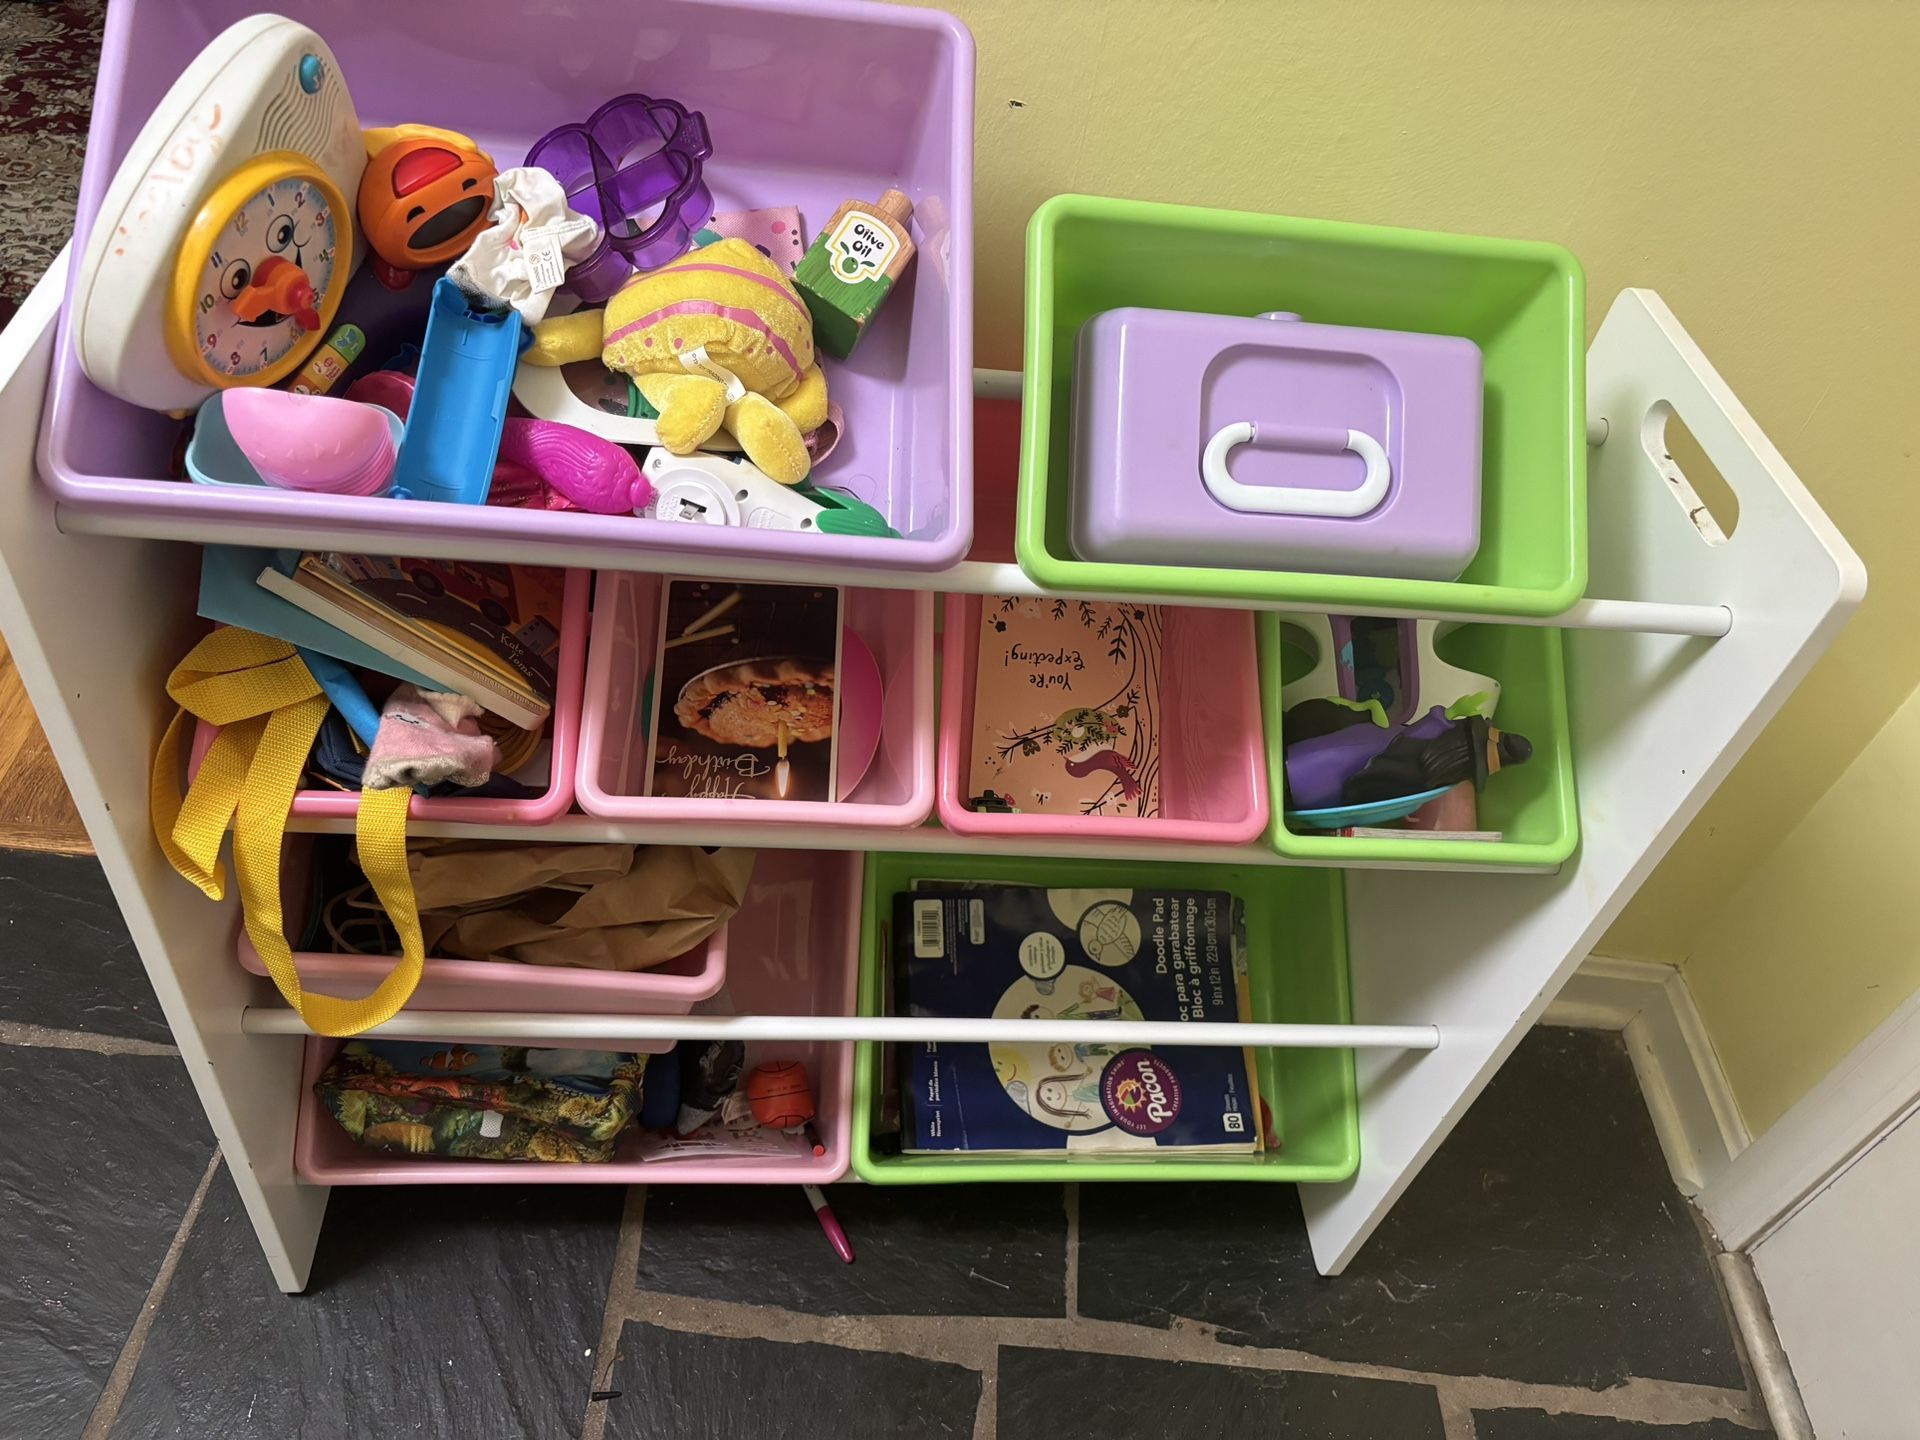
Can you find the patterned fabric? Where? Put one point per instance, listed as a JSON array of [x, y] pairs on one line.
[[483, 1102], [48, 55]]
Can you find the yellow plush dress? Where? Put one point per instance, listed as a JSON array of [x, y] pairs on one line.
[[716, 337]]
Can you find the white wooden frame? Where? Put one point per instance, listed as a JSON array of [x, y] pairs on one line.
[[1661, 710], [1657, 722]]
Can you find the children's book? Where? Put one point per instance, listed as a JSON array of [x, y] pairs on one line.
[[1021, 952], [1066, 708], [744, 703], [489, 632], [231, 593]]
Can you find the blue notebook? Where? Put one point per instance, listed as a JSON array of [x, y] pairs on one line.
[[230, 593], [1012, 951]]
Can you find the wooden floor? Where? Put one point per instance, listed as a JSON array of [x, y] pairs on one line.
[[36, 813]]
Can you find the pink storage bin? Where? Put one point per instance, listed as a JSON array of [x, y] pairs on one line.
[[1213, 767], [670, 989], [897, 790], [563, 735], [809, 103], [795, 951]]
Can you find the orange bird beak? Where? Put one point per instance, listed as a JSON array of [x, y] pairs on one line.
[[281, 286]]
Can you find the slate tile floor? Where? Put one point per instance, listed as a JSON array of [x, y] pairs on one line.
[[1540, 1281]]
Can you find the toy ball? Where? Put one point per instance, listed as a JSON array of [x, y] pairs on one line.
[[779, 1094], [424, 196]]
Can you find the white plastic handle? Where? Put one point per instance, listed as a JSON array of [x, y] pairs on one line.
[[1293, 499]]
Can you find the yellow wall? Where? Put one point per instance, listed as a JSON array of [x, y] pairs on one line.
[[1822, 941], [1752, 162]]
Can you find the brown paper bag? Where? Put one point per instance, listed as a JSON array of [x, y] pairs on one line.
[[588, 906]]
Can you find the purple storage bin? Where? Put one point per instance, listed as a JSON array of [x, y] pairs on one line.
[[808, 102], [1235, 441]]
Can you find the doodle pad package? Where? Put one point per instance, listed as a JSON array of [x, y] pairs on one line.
[[1010, 952]]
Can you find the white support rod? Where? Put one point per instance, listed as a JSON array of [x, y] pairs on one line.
[[997, 384], [979, 577], [492, 1025], [928, 839], [1650, 617]]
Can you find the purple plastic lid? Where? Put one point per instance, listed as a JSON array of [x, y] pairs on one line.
[[631, 155]]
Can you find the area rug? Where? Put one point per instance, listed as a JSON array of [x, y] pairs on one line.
[[48, 54]]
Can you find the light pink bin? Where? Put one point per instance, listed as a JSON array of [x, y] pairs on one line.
[[1213, 767], [670, 989], [897, 791], [563, 733], [795, 951]]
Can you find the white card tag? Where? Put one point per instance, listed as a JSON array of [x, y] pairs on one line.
[[546, 267], [696, 360], [490, 1125], [544, 247]]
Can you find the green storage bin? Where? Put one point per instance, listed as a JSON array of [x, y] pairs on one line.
[[1522, 302], [1297, 966], [1532, 805]]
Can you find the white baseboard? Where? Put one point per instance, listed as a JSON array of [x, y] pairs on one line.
[[1744, 1187], [1699, 1125], [1693, 1109]]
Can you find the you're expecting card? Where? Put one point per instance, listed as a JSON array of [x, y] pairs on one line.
[[1066, 708]]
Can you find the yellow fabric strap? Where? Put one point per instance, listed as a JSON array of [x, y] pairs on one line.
[[269, 708]]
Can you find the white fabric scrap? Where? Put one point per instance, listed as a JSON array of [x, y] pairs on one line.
[[522, 258]]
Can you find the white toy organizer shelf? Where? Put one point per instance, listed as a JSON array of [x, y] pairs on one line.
[[1671, 674]]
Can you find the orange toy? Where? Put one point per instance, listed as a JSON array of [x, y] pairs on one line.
[[779, 1094], [279, 287], [425, 194]]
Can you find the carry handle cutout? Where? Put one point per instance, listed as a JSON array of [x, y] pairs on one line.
[[1294, 499]]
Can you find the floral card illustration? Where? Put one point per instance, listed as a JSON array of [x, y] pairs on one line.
[[1066, 708], [744, 703]]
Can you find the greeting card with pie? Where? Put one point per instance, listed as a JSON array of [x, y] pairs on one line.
[[744, 701]]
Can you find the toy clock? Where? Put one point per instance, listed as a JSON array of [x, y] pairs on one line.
[[259, 274], [226, 239]]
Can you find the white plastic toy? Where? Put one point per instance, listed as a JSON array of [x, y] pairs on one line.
[[711, 490], [226, 239], [546, 393]]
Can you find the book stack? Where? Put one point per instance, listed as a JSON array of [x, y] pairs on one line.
[[489, 632], [1025, 952]]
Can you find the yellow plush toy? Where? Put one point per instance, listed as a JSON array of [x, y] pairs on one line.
[[716, 337]]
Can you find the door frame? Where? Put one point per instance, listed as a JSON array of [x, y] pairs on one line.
[[1856, 1105]]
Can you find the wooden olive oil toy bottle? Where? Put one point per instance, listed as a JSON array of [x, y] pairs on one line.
[[849, 270]]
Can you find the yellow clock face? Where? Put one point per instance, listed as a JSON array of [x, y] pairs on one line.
[[260, 273]]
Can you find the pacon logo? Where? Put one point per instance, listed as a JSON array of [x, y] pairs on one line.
[[1140, 1092]]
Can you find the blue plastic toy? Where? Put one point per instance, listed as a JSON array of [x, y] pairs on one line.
[[459, 400]]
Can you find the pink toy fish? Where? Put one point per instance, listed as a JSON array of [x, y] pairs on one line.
[[592, 472], [542, 463]]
